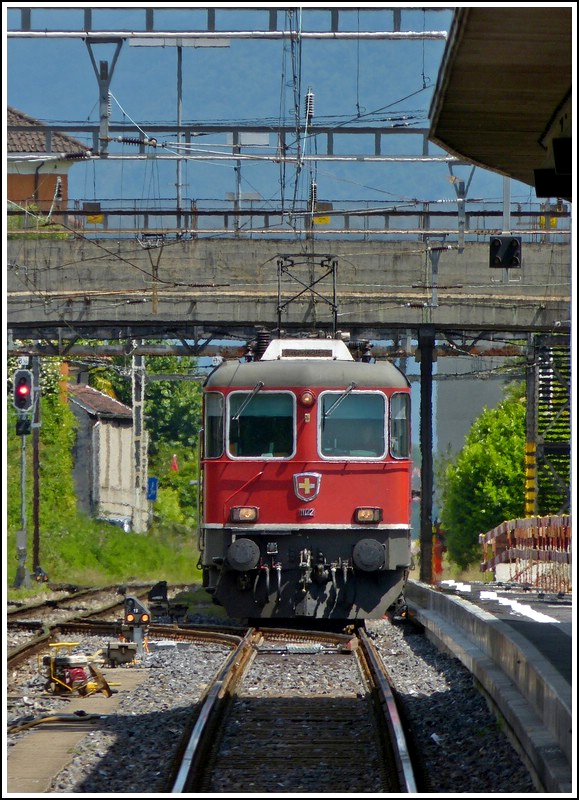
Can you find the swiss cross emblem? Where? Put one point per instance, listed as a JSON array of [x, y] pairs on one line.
[[307, 485]]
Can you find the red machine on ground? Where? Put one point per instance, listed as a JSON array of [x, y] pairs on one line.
[[306, 483]]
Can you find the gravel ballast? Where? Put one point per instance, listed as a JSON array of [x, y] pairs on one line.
[[462, 747]]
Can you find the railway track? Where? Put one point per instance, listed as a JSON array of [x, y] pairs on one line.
[[337, 726], [107, 630], [338, 702], [307, 685], [96, 601]]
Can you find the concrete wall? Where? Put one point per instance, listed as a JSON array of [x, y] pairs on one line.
[[114, 443]]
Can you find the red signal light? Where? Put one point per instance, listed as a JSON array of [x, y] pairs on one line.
[[22, 397]]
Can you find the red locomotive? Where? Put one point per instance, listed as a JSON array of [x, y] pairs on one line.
[[306, 483]]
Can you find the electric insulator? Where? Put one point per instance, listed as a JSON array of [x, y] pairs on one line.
[[82, 154], [263, 339], [58, 190], [309, 105], [134, 140], [313, 194]]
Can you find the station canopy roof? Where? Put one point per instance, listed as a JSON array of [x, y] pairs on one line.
[[503, 99]]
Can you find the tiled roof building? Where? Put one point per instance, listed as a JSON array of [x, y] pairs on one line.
[[32, 179], [33, 141], [98, 403], [104, 459]]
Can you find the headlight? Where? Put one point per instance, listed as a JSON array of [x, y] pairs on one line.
[[368, 515], [244, 514]]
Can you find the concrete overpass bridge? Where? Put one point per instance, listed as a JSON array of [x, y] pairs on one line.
[[187, 290]]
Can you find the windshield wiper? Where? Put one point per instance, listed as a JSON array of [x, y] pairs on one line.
[[340, 399], [248, 399]]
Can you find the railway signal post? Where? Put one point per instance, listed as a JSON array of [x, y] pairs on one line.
[[137, 618], [23, 401]]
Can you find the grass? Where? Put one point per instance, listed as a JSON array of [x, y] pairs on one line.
[[98, 554], [91, 553]]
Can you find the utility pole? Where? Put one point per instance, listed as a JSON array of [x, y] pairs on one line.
[[179, 120], [23, 401], [236, 202], [531, 486], [426, 340], [104, 76], [140, 442]]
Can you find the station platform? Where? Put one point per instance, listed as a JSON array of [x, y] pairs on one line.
[[518, 644], [522, 610]]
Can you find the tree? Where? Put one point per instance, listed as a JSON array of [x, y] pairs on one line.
[[172, 407], [485, 485]]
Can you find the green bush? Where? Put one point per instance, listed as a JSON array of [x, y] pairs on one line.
[[31, 224], [485, 484]]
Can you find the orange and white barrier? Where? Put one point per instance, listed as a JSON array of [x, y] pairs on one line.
[[535, 551]]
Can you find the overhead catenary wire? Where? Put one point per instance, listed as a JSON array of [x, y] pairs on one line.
[[293, 34]]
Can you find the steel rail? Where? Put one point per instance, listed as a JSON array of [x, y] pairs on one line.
[[230, 674], [391, 716]]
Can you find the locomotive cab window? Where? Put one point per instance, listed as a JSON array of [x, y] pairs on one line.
[[400, 425], [261, 424], [352, 425], [213, 425]]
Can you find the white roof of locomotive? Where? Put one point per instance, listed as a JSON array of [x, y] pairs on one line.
[[294, 349]]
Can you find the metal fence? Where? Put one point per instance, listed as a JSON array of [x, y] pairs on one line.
[[361, 220]]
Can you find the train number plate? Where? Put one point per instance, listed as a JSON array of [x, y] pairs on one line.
[[306, 512]]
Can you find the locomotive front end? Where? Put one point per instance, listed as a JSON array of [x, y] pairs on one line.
[[306, 484]]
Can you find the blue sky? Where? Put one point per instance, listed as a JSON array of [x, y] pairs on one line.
[[250, 80]]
